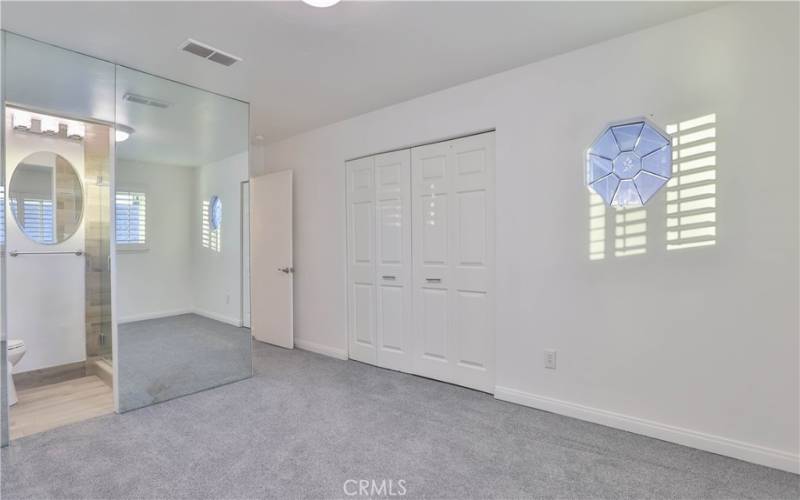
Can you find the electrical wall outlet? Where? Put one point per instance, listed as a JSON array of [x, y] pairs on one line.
[[550, 359], [227, 298]]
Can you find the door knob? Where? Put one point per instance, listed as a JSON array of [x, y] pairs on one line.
[[286, 270]]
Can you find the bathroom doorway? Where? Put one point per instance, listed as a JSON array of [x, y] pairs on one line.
[[57, 270]]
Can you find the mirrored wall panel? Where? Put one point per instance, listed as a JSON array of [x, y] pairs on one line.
[[4, 372], [58, 154], [182, 154]]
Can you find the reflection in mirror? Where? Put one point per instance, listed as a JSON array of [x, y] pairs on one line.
[[181, 314], [46, 198], [59, 159]]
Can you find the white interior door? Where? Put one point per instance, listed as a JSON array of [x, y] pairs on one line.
[[453, 237], [246, 254], [272, 270]]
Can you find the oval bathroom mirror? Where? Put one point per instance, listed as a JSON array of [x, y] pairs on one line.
[[46, 198]]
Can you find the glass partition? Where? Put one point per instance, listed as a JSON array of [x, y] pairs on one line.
[[181, 156]]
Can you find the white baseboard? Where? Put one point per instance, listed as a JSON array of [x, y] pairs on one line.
[[320, 349], [153, 315], [178, 312], [218, 317], [702, 441]]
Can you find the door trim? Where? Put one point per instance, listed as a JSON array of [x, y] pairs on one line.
[[425, 143], [244, 186]]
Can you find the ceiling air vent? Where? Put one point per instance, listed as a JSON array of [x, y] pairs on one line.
[[147, 101], [208, 52]]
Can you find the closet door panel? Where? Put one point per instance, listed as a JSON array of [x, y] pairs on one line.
[[393, 258], [431, 207], [361, 260], [472, 261], [453, 238]]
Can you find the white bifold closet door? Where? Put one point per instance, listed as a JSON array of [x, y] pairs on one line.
[[426, 309], [379, 253], [453, 235]]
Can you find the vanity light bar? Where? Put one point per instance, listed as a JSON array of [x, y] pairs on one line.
[[48, 125]]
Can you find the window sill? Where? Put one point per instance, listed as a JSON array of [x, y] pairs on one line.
[[132, 249]]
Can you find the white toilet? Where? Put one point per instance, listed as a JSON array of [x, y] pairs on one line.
[[16, 349]]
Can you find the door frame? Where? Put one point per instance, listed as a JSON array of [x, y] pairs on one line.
[[345, 229], [244, 187]]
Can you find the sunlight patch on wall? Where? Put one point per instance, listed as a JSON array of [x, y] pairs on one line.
[[597, 227], [692, 191], [209, 237], [630, 232]]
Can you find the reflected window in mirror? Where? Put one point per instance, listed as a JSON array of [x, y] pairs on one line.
[[130, 212]]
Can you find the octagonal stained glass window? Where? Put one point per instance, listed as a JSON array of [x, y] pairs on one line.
[[628, 163], [215, 212]]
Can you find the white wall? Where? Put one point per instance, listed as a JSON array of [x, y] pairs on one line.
[[698, 346], [217, 275], [158, 281]]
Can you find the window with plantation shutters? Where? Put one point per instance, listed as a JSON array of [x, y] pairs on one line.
[[131, 220], [35, 216]]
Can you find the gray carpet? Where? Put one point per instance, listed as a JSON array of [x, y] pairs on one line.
[[305, 424], [164, 358]]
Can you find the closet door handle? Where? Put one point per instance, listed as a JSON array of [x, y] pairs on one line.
[[387, 277], [433, 280]]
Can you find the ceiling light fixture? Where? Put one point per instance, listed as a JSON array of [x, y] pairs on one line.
[[122, 132], [321, 3]]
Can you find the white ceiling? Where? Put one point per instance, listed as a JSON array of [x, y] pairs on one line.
[[305, 67], [196, 128]]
